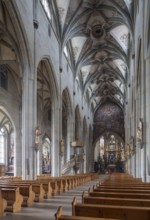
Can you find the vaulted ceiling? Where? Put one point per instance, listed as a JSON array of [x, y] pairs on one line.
[[95, 37]]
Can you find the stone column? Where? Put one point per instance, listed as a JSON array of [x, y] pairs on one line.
[[138, 160], [134, 165], [18, 160], [90, 154], [28, 124], [70, 136], [147, 107], [55, 145]]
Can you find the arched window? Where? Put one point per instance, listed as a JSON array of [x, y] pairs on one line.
[[6, 143]]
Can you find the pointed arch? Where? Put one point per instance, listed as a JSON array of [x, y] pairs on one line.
[[17, 34], [7, 142], [47, 89], [51, 74]]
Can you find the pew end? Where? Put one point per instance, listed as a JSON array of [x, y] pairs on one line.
[[74, 202], [83, 195], [58, 214]]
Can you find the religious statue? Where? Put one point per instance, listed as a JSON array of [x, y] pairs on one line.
[[37, 136], [123, 155], [139, 131], [131, 143], [128, 150], [62, 146]]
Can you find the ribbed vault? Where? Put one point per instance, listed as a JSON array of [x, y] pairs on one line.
[[95, 37]]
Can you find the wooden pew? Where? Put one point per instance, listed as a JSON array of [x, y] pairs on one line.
[[59, 183], [25, 190], [55, 183], [13, 197], [37, 187], [120, 195], [113, 180], [115, 201], [145, 187], [28, 195], [3, 205], [117, 180], [39, 192], [126, 185], [121, 190], [110, 211], [59, 216], [47, 186], [48, 189]]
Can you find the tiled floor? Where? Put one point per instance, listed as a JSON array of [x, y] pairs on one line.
[[46, 209]]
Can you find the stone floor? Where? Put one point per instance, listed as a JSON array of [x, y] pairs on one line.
[[48, 207]]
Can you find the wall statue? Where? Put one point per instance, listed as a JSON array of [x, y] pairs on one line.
[[62, 146], [139, 132], [37, 136]]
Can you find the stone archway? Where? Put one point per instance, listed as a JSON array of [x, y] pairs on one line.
[[44, 109], [7, 144], [46, 98], [16, 66]]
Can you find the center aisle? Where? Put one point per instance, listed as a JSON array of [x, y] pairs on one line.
[[46, 209]]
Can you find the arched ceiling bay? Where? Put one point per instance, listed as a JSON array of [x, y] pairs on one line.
[[94, 36]]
